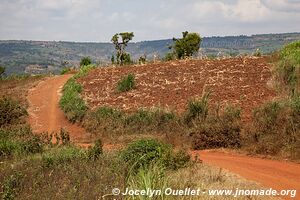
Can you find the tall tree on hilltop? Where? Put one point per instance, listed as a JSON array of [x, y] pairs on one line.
[[186, 46], [121, 40]]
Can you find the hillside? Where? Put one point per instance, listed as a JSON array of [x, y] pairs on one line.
[[237, 81], [50, 56]]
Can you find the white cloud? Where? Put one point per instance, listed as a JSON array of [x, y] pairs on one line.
[[94, 20]]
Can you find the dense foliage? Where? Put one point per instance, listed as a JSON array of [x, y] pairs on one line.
[[288, 69], [186, 46]]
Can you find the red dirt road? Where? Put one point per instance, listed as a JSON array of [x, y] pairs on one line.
[[45, 114], [279, 175]]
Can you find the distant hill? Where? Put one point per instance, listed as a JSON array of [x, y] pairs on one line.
[[50, 56]]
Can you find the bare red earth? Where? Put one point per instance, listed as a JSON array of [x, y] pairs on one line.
[[238, 81], [279, 175], [45, 114]]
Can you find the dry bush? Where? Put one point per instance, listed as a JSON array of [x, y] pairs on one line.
[[275, 129], [217, 130]]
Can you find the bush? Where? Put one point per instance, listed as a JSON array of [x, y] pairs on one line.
[[104, 119], [179, 159], [32, 145], [287, 69], [62, 155], [112, 121], [126, 83], [153, 177], [11, 112], [197, 109], [275, 130], [218, 131], [149, 120], [142, 59], [7, 148], [95, 152], [141, 153], [145, 153], [85, 61]]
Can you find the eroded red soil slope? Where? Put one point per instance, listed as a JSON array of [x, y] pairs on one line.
[[238, 81]]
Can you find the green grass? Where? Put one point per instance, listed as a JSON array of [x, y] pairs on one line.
[[71, 102], [126, 83]]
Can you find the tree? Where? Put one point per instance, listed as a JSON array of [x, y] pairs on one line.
[[121, 40], [2, 70], [187, 46], [85, 61]]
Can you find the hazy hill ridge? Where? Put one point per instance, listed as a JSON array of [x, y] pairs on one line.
[[20, 56]]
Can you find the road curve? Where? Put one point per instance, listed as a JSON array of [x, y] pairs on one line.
[[45, 114], [279, 175]]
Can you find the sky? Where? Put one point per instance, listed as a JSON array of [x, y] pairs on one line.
[[98, 20]]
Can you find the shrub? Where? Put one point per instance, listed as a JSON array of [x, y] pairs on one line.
[[142, 59], [179, 159], [275, 130], [218, 130], [153, 177], [109, 120], [62, 155], [7, 148], [95, 152], [141, 153], [85, 61], [63, 137], [149, 120], [126, 83], [11, 112], [287, 68], [104, 119], [144, 153], [197, 109], [32, 145]]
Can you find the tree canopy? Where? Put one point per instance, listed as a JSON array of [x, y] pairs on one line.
[[121, 40], [186, 46]]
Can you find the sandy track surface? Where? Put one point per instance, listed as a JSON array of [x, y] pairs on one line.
[[45, 114], [279, 175]]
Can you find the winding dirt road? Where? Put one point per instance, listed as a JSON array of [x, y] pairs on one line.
[[279, 175], [46, 116]]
